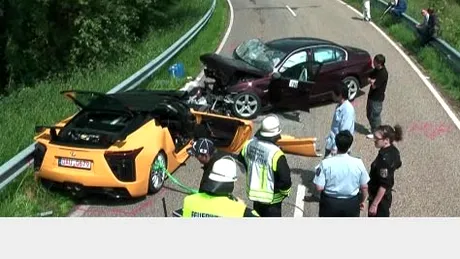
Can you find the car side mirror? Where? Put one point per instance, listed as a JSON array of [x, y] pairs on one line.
[[276, 75]]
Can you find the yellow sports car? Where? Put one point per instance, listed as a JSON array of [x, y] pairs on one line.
[[115, 141]]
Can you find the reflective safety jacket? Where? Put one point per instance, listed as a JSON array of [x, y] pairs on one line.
[[205, 205], [262, 159]]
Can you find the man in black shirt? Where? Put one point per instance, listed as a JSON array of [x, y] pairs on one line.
[[378, 79], [205, 152]]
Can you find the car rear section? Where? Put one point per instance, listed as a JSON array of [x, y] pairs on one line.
[[78, 170], [359, 64], [85, 156]]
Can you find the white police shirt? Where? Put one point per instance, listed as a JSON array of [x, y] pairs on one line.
[[341, 176]]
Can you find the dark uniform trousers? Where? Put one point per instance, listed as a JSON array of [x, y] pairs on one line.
[[383, 210], [268, 210], [335, 207]]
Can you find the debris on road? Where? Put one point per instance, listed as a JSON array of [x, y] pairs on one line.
[[45, 214]]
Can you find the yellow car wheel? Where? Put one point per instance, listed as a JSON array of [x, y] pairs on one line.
[[157, 176]]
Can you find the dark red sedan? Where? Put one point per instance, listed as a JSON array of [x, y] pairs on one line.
[[290, 73]]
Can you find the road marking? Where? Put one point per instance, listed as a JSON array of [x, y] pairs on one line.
[[415, 68], [79, 211], [290, 10], [299, 203], [229, 29], [224, 40], [431, 130]]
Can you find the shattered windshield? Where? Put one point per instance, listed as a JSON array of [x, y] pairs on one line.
[[257, 54]]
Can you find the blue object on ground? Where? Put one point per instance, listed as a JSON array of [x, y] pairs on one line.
[[177, 70]]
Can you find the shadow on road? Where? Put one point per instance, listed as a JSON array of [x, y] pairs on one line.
[[361, 129], [357, 18], [307, 180], [178, 190], [90, 198], [104, 200]]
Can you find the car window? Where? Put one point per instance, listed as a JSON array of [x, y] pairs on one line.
[[295, 67], [328, 54], [339, 54]]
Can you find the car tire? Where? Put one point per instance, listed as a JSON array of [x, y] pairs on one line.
[[353, 87], [156, 178], [246, 105]]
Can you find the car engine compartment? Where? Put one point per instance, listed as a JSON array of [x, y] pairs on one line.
[[207, 97], [96, 129]]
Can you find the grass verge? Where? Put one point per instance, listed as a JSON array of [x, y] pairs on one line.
[[448, 12], [43, 104], [190, 56], [433, 61]]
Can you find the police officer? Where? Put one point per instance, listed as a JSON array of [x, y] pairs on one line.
[[205, 152], [269, 175], [339, 179], [215, 198], [383, 169]]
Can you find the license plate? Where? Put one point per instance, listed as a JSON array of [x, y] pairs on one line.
[[74, 163]]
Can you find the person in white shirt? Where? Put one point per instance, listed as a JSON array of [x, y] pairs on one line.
[[367, 10], [343, 119]]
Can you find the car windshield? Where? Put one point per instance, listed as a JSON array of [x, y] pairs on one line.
[[257, 54]]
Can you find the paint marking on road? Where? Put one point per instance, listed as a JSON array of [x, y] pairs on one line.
[[431, 130], [438, 97], [290, 10], [79, 211], [299, 203]]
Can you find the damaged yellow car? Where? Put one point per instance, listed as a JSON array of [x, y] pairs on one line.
[[114, 142]]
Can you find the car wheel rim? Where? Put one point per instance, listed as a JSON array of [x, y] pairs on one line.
[[246, 105], [157, 176], [352, 88]]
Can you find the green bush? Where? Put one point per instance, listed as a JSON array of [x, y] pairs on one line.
[[39, 38]]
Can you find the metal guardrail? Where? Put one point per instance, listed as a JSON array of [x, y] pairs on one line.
[[452, 54], [19, 163]]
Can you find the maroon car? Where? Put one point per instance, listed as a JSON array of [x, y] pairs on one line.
[[290, 73]]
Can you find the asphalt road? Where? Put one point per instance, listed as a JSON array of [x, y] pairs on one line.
[[428, 182]]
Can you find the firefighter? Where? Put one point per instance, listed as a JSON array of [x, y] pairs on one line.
[[268, 173], [215, 198]]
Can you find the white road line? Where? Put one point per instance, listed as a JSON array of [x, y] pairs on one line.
[[424, 78], [290, 10], [224, 40], [299, 203], [229, 29], [80, 211]]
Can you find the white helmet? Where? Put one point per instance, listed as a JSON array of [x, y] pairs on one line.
[[224, 170], [270, 126]]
